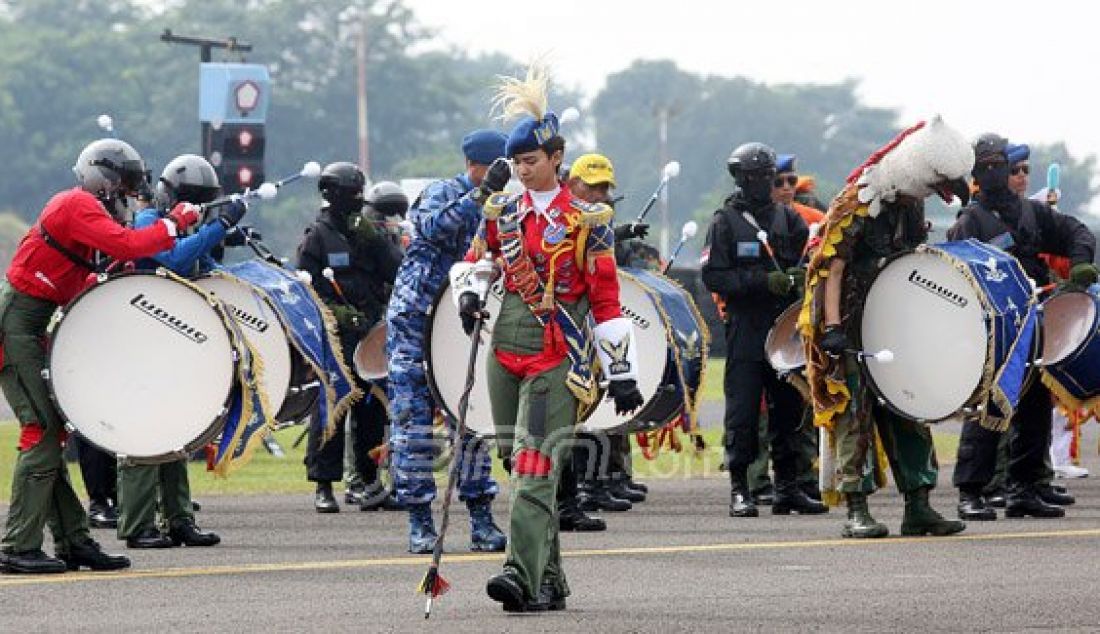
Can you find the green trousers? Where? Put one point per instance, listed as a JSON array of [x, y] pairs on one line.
[[41, 492], [907, 444], [141, 488], [534, 419]]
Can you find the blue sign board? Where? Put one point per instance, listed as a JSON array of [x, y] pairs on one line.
[[233, 93]]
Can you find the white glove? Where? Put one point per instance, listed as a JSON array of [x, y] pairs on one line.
[[617, 349]]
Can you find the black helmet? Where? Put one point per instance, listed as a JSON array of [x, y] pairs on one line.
[[750, 157], [187, 178], [110, 166], [990, 144], [388, 199], [341, 182]]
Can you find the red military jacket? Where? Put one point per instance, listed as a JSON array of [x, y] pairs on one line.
[[77, 221], [574, 271]]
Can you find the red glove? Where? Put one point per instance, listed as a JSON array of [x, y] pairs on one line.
[[184, 215]]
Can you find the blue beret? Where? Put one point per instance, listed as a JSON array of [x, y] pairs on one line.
[[1017, 153], [530, 134], [483, 146], [784, 163]]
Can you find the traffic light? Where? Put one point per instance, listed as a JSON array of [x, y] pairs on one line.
[[237, 153]]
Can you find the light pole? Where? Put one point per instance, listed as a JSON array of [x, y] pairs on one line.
[[361, 62]]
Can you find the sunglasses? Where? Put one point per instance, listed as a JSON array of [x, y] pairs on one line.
[[789, 180], [1021, 168]]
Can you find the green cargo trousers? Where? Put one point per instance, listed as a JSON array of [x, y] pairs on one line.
[[41, 492], [142, 487], [907, 444], [534, 418]]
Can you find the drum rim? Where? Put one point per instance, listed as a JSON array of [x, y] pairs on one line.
[[1041, 331], [796, 307], [227, 276], [215, 426], [433, 388]]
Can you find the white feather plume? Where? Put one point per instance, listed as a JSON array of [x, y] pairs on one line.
[[517, 97]]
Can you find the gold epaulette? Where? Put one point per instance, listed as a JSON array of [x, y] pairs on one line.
[[496, 203], [593, 214]]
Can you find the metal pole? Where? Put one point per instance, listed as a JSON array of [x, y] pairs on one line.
[[361, 59], [662, 140]]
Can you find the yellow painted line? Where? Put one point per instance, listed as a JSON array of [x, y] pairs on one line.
[[460, 558]]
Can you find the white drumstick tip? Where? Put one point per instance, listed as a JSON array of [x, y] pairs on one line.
[[762, 236], [106, 122], [689, 230], [569, 115], [671, 169], [327, 272], [267, 191], [883, 356], [311, 169]]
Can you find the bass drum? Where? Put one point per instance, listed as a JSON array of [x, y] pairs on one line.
[[666, 324], [448, 352], [285, 373], [143, 367], [953, 316]]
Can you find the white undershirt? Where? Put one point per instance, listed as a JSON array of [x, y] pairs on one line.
[[542, 200]]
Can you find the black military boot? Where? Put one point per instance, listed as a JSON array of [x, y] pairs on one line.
[[637, 486], [765, 495], [595, 496], [148, 538], [572, 519], [920, 518], [89, 555], [102, 514], [742, 503], [811, 489], [323, 500], [507, 590], [860, 524], [995, 497], [1024, 501], [618, 489], [972, 507], [31, 562], [186, 533], [789, 497], [1052, 495]]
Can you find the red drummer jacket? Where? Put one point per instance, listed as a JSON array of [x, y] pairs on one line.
[[572, 279], [78, 222]]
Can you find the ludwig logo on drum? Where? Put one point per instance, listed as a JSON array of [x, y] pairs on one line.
[[148, 307], [936, 289], [244, 318]]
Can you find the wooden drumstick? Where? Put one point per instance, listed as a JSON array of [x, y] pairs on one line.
[[331, 277]]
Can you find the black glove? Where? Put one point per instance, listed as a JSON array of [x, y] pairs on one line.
[[631, 231], [469, 309], [230, 214], [497, 176], [626, 395], [348, 318], [834, 343]]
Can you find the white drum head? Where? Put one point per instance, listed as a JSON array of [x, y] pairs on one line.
[[142, 366], [1068, 321], [652, 344], [261, 326], [370, 358], [784, 347], [926, 312], [449, 353]]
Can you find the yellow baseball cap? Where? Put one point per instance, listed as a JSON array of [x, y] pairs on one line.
[[593, 169]]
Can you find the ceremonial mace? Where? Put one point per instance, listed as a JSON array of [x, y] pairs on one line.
[[433, 584]]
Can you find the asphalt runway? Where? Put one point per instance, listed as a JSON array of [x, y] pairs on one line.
[[675, 563]]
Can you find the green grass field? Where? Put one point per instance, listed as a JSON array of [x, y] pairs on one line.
[[269, 475]]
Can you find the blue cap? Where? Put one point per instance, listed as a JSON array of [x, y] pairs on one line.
[[530, 134], [784, 163], [483, 146], [1017, 153]]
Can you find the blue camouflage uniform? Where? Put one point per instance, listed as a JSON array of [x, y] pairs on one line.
[[444, 221]]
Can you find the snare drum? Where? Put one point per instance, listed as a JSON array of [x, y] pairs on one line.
[[784, 347], [143, 367], [1071, 347], [959, 318], [371, 362]]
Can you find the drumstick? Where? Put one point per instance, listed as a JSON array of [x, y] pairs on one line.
[[882, 356], [762, 236], [331, 277]]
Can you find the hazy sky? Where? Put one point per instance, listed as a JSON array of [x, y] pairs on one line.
[[1026, 70]]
